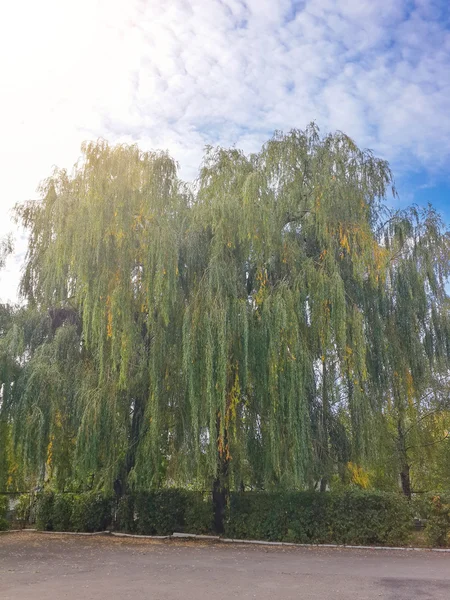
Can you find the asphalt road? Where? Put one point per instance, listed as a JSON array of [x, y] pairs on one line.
[[49, 567]]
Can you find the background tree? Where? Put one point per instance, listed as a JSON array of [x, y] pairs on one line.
[[414, 376], [261, 328]]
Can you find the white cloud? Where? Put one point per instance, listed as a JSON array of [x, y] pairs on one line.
[[184, 73], [226, 72]]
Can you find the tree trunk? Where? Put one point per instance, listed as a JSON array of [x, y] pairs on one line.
[[325, 427], [405, 475], [220, 495], [136, 424], [406, 480], [220, 486]]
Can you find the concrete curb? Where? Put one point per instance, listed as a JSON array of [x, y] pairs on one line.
[[17, 530], [196, 536], [72, 532], [144, 537], [56, 532], [214, 538], [291, 544]]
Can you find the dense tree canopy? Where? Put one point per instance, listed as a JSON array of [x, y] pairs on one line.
[[272, 325]]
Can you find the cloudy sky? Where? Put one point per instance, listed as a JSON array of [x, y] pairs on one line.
[[180, 74]]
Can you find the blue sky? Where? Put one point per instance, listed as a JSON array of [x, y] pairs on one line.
[[182, 74], [420, 188]]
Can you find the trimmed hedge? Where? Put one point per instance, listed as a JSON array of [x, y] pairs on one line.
[[87, 512], [163, 512], [3, 512], [63, 512], [350, 517], [146, 513], [438, 523], [353, 517], [44, 511], [198, 516], [159, 513], [15, 511], [25, 510], [91, 512]]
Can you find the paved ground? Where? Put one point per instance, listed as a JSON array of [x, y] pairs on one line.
[[49, 567]]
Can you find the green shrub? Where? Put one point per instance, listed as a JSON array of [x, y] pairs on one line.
[[353, 517], [44, 511], [4, 525], [360, 517], [62, 512], [253, 515], [198, 515], [300, 517], [421, 506], [92, 511], [159, 512], [438, 523], [307, 517], [87, 512], [125, 520], [23, 511], [163, 512]]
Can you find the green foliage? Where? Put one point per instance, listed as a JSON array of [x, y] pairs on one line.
[[63, 509], [438, 522], [163, 512], [91, 512], [147, 513], [353, 517], [25, 509], [44, 511], [86, 512], [349, 517], [124, 515], [4, 462], [3, 512], [159, 512], [6, 248], [370, 518], [268, 326], [198, 514]]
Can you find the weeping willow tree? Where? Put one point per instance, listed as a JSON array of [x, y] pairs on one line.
[[410, 361], [8, 371], [245, 331], [276, 322], [103, 255]]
